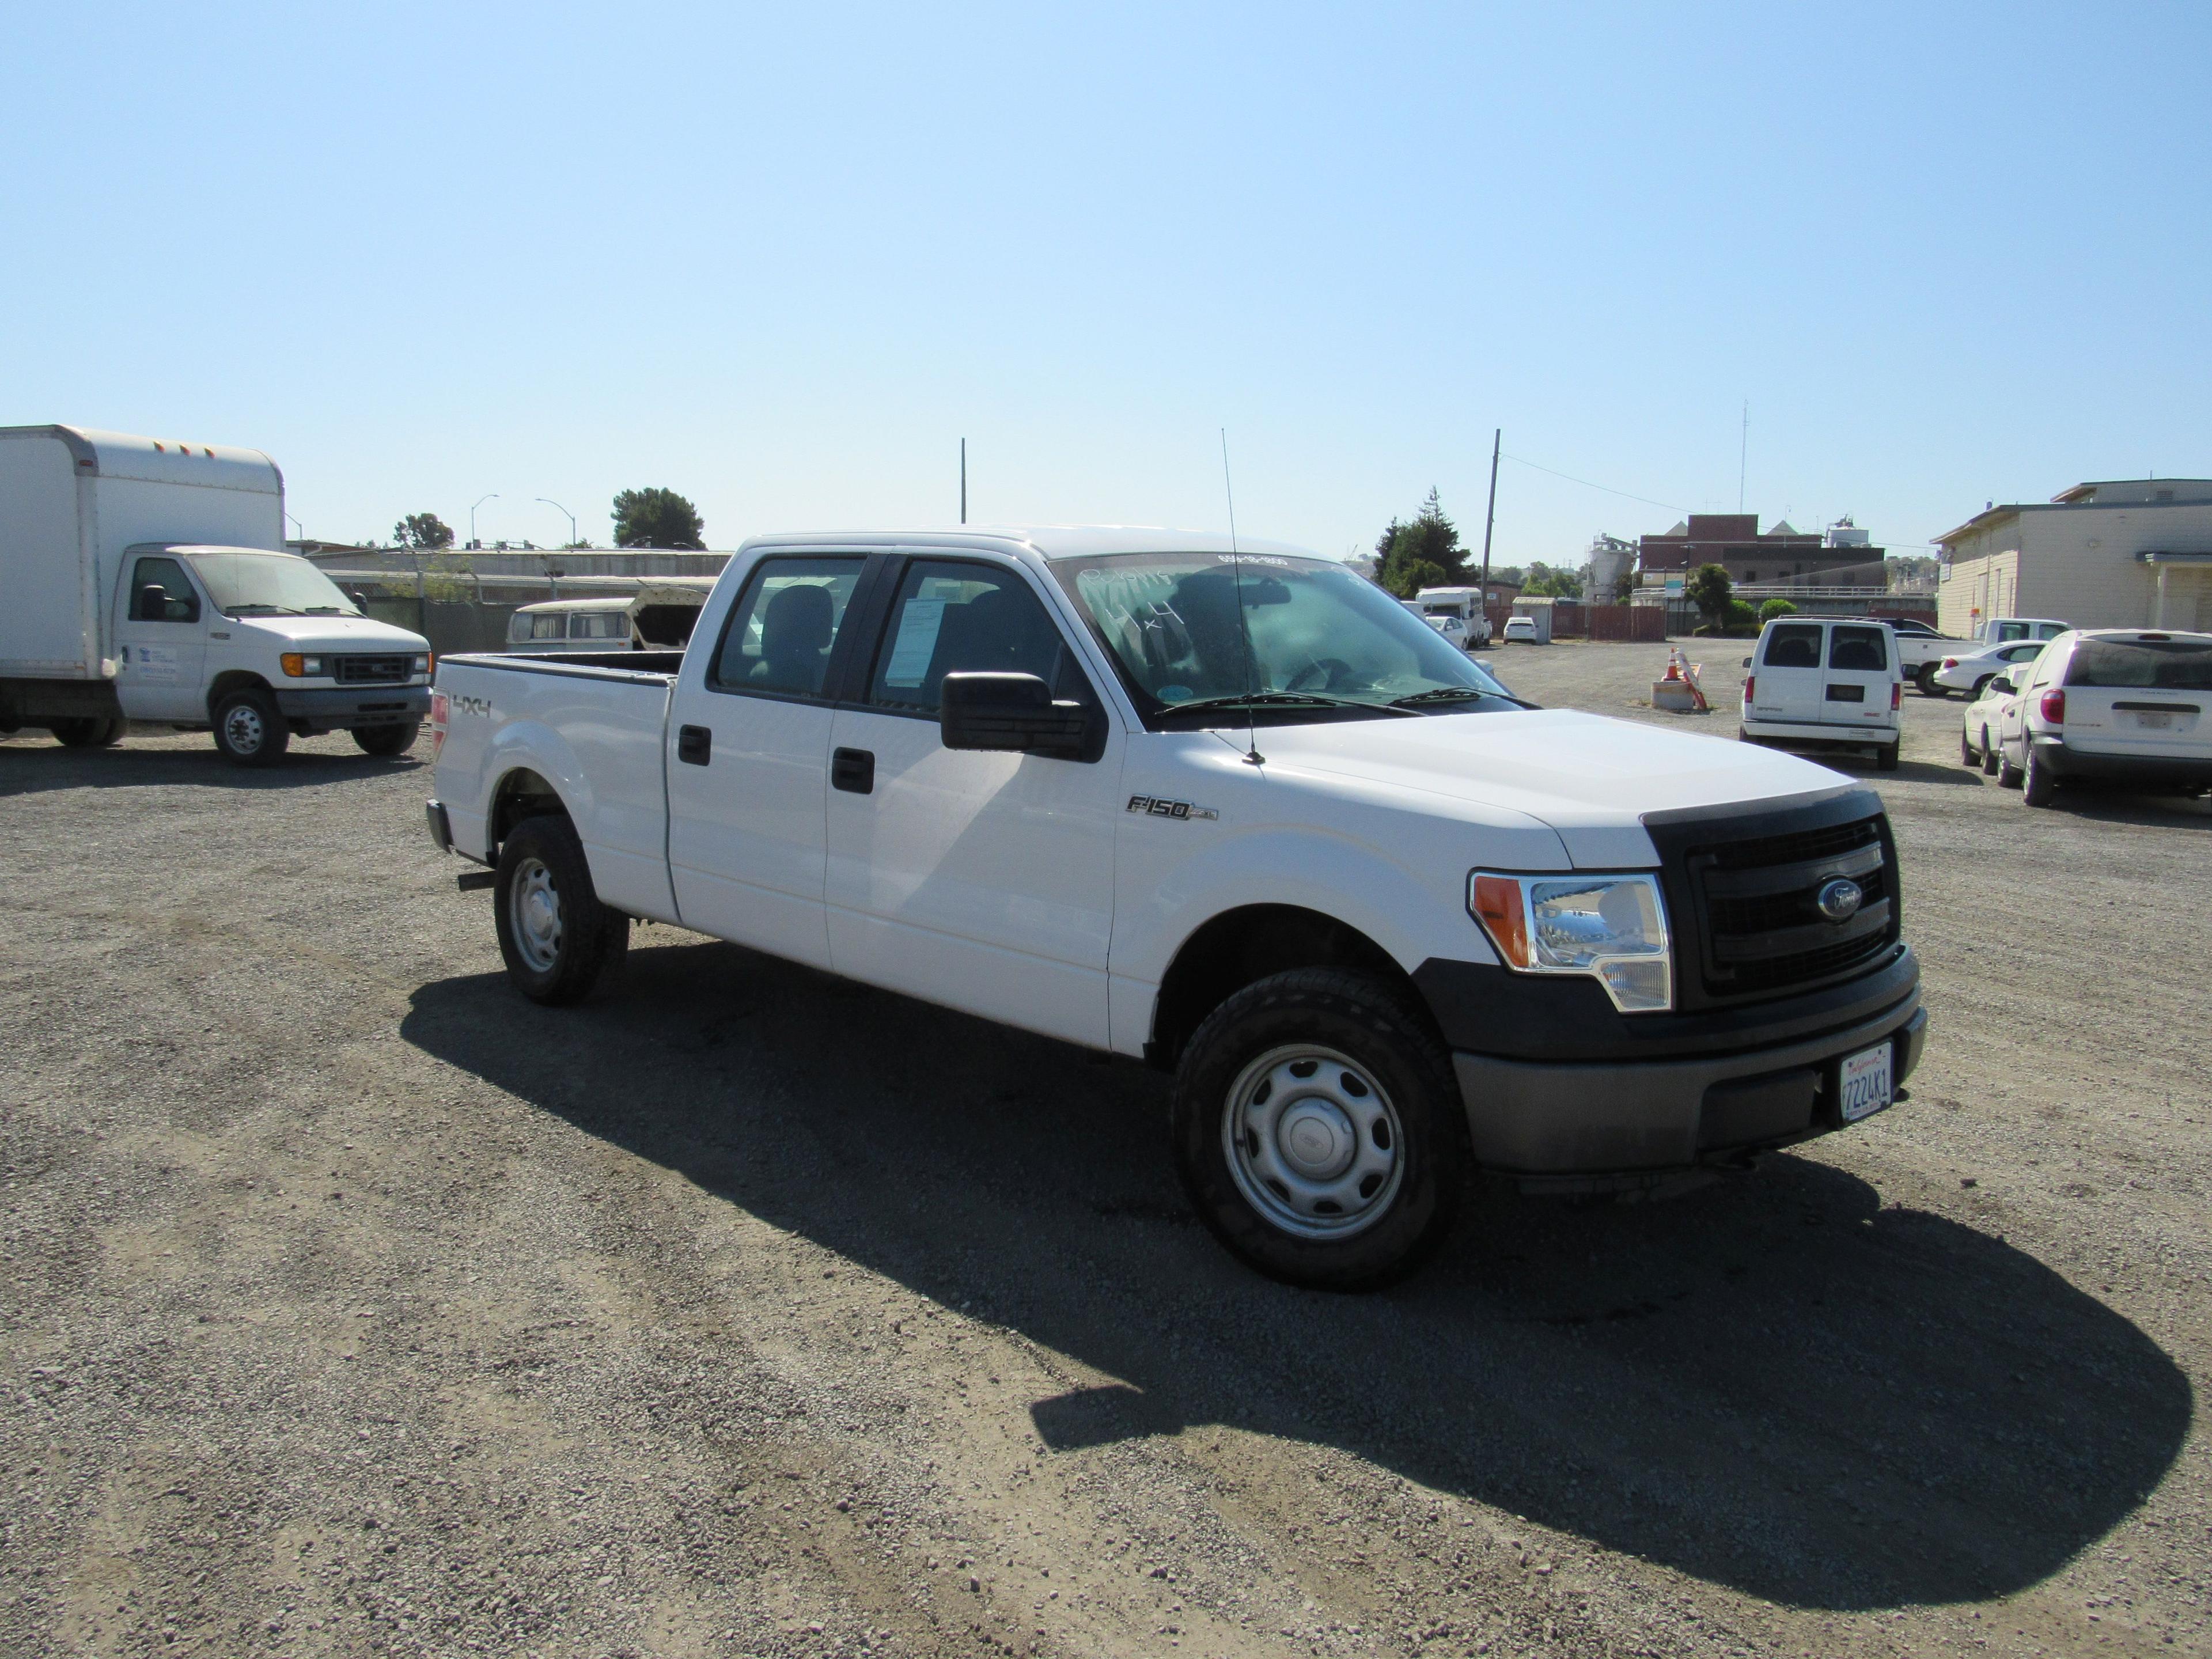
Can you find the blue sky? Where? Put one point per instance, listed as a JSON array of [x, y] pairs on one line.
[[783, 260]]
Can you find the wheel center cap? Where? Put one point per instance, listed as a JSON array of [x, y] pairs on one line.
[[539, 914], [1316, 1140]]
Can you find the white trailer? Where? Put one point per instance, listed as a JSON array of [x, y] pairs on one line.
[[147, 579]]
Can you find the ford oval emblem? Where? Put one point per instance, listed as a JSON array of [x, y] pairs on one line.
[[1839, 899]]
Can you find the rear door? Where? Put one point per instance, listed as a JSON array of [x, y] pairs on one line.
[[2149, 694], [1855, 691], [1786, 677], [748, 759]]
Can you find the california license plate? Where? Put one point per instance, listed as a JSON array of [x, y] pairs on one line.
[[1866, 1088]]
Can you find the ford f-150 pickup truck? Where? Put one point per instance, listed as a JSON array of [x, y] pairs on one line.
[[1232, 811]]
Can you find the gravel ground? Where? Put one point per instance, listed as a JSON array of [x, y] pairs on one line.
[[354, 1305]]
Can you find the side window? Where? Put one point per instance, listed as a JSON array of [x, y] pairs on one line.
[[601, 625], [1794, 645], [547, 626], [161, 592], [955, 618], [1859, 650], [2048, 630], [779, 632]]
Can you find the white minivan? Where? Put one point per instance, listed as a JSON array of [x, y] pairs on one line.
[[1824, 682]]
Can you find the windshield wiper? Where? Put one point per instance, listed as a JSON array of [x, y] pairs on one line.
[[1456, 694], [267, 610], [1279, 699]]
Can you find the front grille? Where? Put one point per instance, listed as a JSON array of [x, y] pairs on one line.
[[369, 670], [1750, 897]]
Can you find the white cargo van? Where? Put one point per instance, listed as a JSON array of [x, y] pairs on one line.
[[1822, 682], [147, 581]]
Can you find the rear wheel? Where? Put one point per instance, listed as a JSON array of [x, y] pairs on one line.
[[1925, 679], [1318, 1130], [387, 739], [2038, 784], [249, 731], [1981, 686], [1886, 757], [555, 936], [89, 731]]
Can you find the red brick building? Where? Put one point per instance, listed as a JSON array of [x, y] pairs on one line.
[[1783, 556]]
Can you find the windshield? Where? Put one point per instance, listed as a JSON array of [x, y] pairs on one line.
[[1322, 641], [270, 584]]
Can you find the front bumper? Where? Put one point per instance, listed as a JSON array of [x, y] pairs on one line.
[[2075, 765], [328, 708], [1624, 1125]]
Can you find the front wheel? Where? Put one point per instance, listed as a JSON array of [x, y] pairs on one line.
[[385, 740], [555, 936], [1967, 757], [1989, 755], [1319, 1131], [2008, 775], [249, 731]]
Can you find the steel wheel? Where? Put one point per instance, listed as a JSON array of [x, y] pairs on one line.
[[244, 729], [1313, 1142], [534, 906]]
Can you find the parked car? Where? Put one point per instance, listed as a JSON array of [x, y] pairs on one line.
[[658, 617], [1973, 670], [1456, 630], [1522, 630], [1921, 651], [1235, 814], [147, 581], [1981, 727], [2124, 707], [1824, 682]]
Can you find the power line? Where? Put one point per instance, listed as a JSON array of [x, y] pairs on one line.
[[1604, 489]]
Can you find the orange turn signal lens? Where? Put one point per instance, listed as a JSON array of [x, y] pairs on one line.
[[1498, 905], [295, 663]]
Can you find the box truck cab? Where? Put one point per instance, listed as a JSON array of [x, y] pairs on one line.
[[147, 580]]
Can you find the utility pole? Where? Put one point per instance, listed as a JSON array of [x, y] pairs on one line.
[[963, 481], [1743, 456], [1489, 518]]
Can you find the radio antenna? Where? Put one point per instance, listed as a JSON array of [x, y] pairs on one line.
[[1252, 755]]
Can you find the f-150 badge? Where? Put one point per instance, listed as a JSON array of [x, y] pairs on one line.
[[1153, 807]]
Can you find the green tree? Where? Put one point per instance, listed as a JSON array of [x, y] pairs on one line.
[[1710, 590], [1623, 585], [1546, 582], [657, 518], [1774, 608], [422, 532], [1432, 540]]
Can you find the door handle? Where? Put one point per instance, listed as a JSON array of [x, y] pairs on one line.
[[693, 744], [853, 770]]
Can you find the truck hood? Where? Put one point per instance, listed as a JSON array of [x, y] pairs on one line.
[[1590, 779], [329, 633]]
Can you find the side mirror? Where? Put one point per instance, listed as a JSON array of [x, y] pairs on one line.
[[1747, 662], [2001, 684], [1016, 713], [153, 605]]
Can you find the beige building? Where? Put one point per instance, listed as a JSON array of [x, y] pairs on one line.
[[2126, 553]]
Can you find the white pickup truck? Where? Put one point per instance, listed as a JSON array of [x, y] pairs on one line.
[[1232, 811]]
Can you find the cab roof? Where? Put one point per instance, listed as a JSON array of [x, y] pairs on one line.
[[1046, 541]]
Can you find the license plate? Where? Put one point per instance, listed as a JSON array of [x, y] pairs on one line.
[[1866, 1082], [2155, 723]]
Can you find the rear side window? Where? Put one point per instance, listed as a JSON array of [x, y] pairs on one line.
[[161, 592], [1794, 645], [600, 625], [955, 618], [2162, 664], [548, 626], [781, 629], [1861, 650]]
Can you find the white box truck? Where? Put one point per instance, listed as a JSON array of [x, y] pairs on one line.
[[145, 580]]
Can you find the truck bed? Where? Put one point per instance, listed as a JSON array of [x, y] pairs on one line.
[[595, 726]]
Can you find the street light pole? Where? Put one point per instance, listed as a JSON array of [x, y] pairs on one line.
[[564, 511], [480, 501]]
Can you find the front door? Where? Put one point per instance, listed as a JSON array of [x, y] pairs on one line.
[[160, 641], [982, 881], [748, 762], [1855, 689]]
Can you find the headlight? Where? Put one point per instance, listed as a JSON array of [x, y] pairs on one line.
[[1612, 928], [421, 665], [300, 667]]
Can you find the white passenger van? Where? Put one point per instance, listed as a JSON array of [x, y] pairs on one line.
[[1824, 682], [658, 617]]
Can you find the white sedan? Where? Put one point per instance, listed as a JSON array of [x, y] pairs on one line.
[[1972, 670], [1521, 630], [1982, 733]]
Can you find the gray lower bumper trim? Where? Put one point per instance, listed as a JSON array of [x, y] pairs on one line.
[[365, 705], [1561, 1120]]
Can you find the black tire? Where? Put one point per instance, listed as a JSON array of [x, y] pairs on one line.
[[248, 730], [1925, 679], [386, 740], [2037, 785], [88, 732], [555, 958], [1989, 755], [1886, 757], [1967, 757], [2008, 775], [1369, 1048], [1980, 685]]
